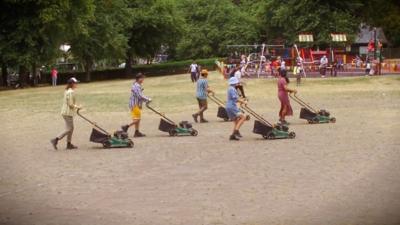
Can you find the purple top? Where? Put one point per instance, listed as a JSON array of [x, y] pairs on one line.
[[281, 85]]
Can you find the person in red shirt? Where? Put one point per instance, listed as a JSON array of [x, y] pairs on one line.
[[371, 46], [275, 66], [54, 74]]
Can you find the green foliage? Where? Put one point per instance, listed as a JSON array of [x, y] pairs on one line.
[[211, 25], [155, 24], [104, 37], [32, 31], [385, 14], [284, 20]]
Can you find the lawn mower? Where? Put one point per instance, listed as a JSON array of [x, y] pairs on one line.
[[221, 108], [266, 129], [119, 139], [184, 128], [312, 115]]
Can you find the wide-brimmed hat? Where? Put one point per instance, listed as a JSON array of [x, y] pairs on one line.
[[72, 80], [233, 80]]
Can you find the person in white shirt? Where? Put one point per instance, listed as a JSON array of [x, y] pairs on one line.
[[239, 87], [193, 69], [299, 70], [368, 68], [323, 65], [283, 66]]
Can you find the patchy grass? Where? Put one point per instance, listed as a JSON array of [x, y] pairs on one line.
[[176, 93]]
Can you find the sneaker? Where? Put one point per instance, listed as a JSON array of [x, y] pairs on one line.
[[71, 146], [233, 138], [237, 134], [139, 134], [125, 128], [54, 142], [195, 118], [203, 121]]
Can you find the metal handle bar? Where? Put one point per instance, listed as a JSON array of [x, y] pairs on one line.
[[158, 113], [91, 122], [256, 115], [302, 103]]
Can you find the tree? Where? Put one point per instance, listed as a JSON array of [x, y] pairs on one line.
[[211, 25], [155, 24], [284, 20], [31, 31], [104, 38], [373, 11]]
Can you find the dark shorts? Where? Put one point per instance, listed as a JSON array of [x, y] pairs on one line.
[[202, 102], [233, 113]]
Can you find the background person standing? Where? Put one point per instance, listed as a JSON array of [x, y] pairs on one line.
[[323, 65], [193, 69], [54, 75]]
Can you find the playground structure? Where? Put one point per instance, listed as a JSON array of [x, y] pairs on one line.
[[264, 60]]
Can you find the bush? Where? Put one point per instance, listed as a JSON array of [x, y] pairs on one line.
[[176, 67], [161, 69]]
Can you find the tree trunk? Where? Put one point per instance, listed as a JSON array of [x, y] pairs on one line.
[[88, 67], [128, 65], [34, 74], [4, 75], [23, 75]]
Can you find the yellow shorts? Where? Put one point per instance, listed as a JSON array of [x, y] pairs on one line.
[[136, 113]]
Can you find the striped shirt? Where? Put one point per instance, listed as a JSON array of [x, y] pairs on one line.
[[137, 97], [201, 91]]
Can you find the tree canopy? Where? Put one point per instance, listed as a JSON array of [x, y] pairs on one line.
[[31, 31]]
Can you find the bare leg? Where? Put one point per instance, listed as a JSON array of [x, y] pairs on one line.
[[203, 106], [135, 123], [239, 122], [283, 113]]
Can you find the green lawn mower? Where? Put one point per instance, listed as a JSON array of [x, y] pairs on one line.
[[312, 115], [221, 108], [184, 128], [266, 129], [119, 139]]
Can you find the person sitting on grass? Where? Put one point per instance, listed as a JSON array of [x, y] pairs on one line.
[[233, 110], [201, 94], [283, 90], [68, 111], [135, 105]]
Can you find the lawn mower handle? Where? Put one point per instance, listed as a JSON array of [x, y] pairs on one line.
[[215, 99], [254, 114], [302, 103], [91, 122], [158, 113]]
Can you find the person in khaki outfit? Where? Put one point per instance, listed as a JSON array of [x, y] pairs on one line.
[[68, 111]]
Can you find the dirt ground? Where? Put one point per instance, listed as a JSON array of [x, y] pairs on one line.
[[342, 173]]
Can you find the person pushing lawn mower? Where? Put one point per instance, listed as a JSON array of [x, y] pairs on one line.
[[233, 111], [202, 91], [68, 111], [135, 105], [283, 90]]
